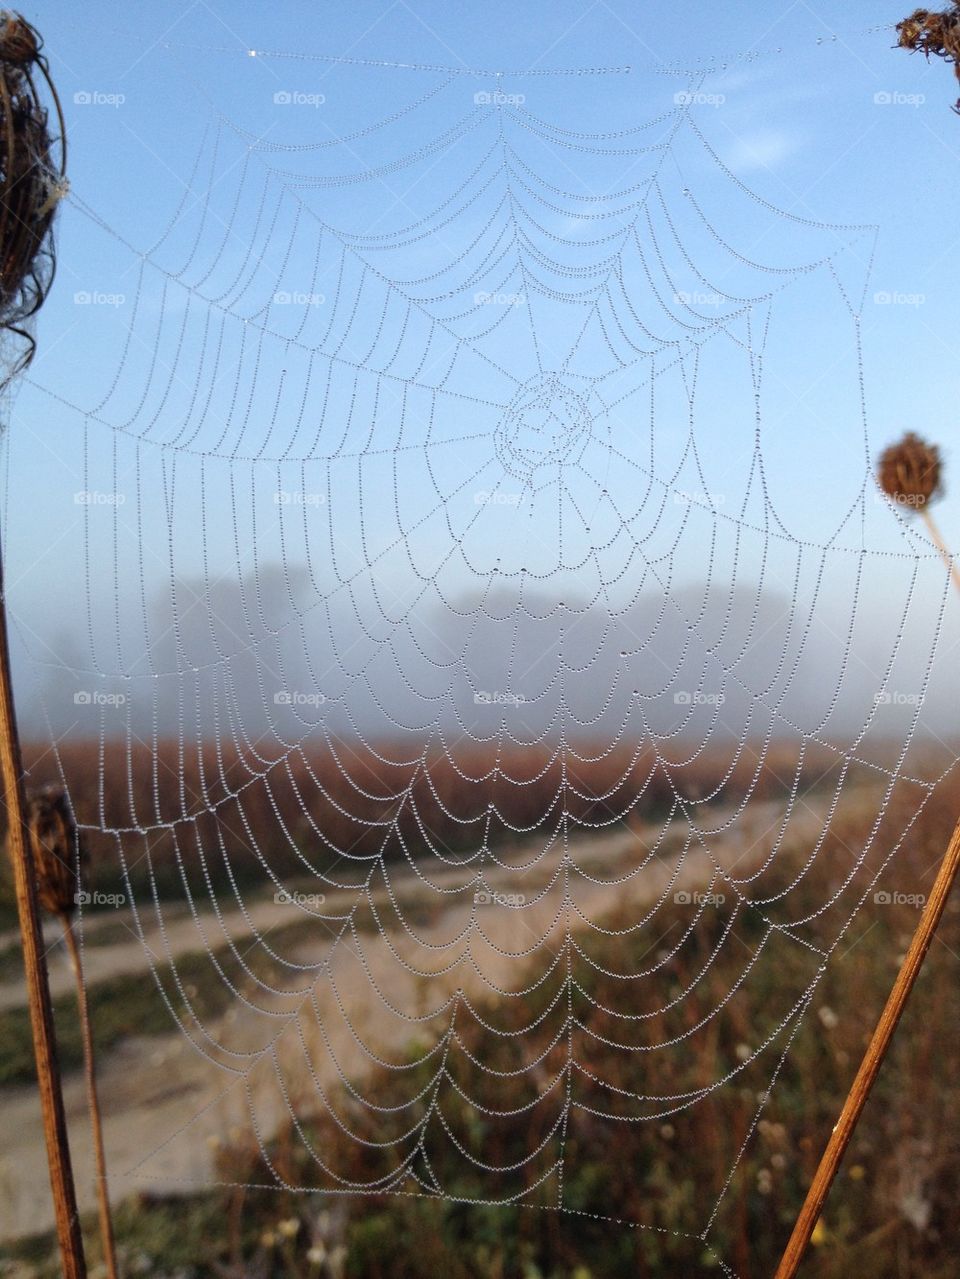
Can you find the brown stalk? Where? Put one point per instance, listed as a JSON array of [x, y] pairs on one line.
[[38, 986], [908, 472], [939, 543], [93, 1102], [30, 186], [59, 856]]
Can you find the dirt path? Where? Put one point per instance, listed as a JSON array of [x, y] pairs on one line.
[[168, 1105], [182, 933]]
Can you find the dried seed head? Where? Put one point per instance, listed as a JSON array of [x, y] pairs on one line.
[[929, 32], [31, 179], [18, 40], [909, 472], [55, 850], [911, 30]]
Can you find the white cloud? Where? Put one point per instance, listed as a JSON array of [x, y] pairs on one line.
[[764, 149]]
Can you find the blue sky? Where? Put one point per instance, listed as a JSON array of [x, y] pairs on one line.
[[808, 106]]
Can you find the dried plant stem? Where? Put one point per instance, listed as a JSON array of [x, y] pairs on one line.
[[27, 181], [872, 1061], [883, 1035], [35, 967], [93, 1102], [939, 543]]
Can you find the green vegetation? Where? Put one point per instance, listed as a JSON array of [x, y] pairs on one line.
[[193, 987], [119, 1008], [226, 807], [892, 1214]]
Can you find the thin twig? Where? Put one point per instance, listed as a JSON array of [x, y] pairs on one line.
[[883, 1035], [93, 1101], [937, 540], [35, 967], [872, 1060]]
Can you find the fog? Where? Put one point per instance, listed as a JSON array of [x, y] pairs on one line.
[[266, 658]]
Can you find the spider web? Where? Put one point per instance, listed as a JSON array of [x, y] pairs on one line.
[[428, 570]]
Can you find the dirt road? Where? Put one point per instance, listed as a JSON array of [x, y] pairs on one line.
[[168, 1102]]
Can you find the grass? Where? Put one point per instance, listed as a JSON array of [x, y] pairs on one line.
[[219, 814], [129, 1005], [120, 1007], [892, 1213]]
